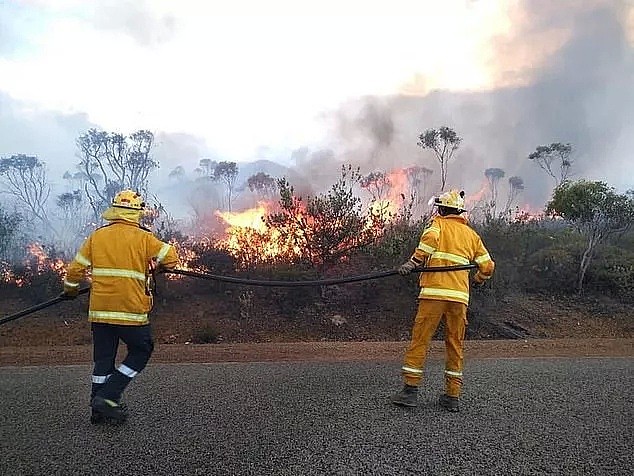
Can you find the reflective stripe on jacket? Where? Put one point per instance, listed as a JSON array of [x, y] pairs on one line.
[[118, 255], [449, 241]]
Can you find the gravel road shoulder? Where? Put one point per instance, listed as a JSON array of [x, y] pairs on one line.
[[326, 351]]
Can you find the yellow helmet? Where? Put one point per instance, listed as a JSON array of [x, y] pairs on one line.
[[452, 199], [128, 199]]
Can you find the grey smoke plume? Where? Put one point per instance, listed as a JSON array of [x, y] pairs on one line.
[[583, 94]]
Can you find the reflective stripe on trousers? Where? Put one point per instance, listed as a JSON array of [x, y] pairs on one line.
[[429, 314]]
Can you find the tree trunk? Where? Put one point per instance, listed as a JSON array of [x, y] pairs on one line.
[[585, 262], [443, 175]]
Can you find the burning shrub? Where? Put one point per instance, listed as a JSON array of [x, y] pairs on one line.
[[41, 271], [204, 254], [329, 226]]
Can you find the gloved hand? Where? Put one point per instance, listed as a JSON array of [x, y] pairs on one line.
[[478, 279], [406, 268], [70, 292]]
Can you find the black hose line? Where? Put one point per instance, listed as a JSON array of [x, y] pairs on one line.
[[252, 282], [316, 282], [37, 307]]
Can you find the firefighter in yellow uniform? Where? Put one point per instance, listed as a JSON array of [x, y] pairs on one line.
[[447, 241], [120, 256]]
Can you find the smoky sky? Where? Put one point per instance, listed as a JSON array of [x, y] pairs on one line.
[[13, 20], [582, 94], [49, 135], [135, 19]]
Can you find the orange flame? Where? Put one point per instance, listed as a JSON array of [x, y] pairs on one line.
[[524, 214], [43, 262], [250, 238], [471, 200], [36, 263], [398, 188]]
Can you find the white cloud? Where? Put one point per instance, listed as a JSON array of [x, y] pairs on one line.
[[245, 73]]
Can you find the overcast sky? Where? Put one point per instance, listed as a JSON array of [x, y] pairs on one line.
[[232, 77]]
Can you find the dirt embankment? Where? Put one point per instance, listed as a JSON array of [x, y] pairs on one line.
[[193, 326]]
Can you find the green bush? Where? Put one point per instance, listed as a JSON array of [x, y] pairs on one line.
[[553, 269], [539, 256], [612, 271], [397, 243]]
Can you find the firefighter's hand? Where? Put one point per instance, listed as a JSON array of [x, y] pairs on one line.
[[70, 292], [478, 280], [406, 268]]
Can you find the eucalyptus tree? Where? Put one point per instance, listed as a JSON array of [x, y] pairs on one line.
[[555, 160], [263, 185], [493, 176], [227, 173], [443, 142], [596, 211], [516, 186]]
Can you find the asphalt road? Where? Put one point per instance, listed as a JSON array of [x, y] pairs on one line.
[[519, 417]]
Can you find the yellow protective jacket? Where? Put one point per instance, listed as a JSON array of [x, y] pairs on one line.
[[119, 255], [448, 241]]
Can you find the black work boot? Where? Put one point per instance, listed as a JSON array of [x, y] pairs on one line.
[[108, 409], [406, 397], [97, 418], [448, 403]]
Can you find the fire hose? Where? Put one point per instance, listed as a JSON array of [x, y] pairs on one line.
[[251, 282]]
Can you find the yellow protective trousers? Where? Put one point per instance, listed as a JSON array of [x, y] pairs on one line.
[[430, 312]]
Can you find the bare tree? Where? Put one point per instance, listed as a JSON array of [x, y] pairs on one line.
[[24, 177], [377, 184], [418, 179], [204, 199], [555, 160], [227, 172], [119, 161], [74, 219], [443, 142]]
